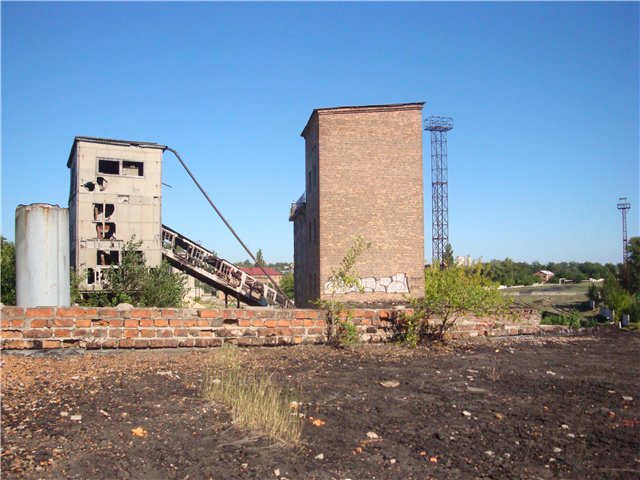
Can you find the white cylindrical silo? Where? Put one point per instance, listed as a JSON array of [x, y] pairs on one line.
[[42, 255]]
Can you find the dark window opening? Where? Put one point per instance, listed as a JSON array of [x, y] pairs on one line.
[[132, 168], [91, 278], [102, 183], [111, 167], [103, 208], [106, 230], [111, 257]]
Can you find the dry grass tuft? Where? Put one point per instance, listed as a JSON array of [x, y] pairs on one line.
[[256, 402]]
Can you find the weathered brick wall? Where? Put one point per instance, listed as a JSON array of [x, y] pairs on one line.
[[363, 171], [371, 185], [92, 328]]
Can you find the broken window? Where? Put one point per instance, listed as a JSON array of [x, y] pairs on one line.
[[132, 168], [103, 211], [106, 230], [110, 167], [111, 257]]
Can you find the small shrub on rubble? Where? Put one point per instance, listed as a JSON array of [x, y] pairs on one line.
[[448, 295]]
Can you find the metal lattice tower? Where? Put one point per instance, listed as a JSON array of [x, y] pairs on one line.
[[624, 206], [439, 126]]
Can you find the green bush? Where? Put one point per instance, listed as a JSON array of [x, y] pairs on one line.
[[449, 294], [574, 319], [8, 271], [133, 282]]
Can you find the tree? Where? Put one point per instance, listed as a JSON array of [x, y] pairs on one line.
[[447, 256], [8, 273], [343, 279], [287, 285], [133, 282], [632, 267], [260, 258], [449, 294]]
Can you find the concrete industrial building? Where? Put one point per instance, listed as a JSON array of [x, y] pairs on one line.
[[363, 171], [115, 195]]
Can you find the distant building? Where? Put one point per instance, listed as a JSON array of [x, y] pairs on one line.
[[115, 195], [544, 275], [465, 261], [259, 274], [363, 172]]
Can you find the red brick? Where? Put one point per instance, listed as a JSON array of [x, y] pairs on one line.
[[271, 323], [110, 343], [308, 323], [115, 322], [180, 332], [107, 312], [148, 333], [208, 342], [315, 331], [99, 322], [166, 333], [126, 343], [11, 334], [203, 323], [297, 339], [83, 323], [186, 342], [99, 332], [302, 314], [16, 344], [39, 323], [37, 333], [176, 322], [208, 313], [62, 322], [146, 322], [115, 332], [320, 323], [190, 322], [140, 313], [168, 312], [17, 322], [284, 332], [297, 323], [12, 312], [244, 323], [70, 312], [257, 322], [249, 313], [161, 322], [171, 343], [51, 344], [5, 323], [140, 343], [62, 333], [130, 332], [130, 322]]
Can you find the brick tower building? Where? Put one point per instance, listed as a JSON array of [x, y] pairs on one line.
[[363, 178]]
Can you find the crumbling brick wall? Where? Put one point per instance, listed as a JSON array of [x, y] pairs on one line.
[[94, 328]]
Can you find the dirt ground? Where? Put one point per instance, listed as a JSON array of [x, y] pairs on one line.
[[545, 407]]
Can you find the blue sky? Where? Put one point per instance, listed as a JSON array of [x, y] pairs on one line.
[[544, 96]]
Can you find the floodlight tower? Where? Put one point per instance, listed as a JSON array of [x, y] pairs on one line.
[[439, 126], [624, 206]]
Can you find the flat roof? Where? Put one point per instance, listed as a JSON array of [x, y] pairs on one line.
[[370, 108], [111, 141]]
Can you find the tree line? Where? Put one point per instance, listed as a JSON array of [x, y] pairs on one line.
[[508, 272]]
